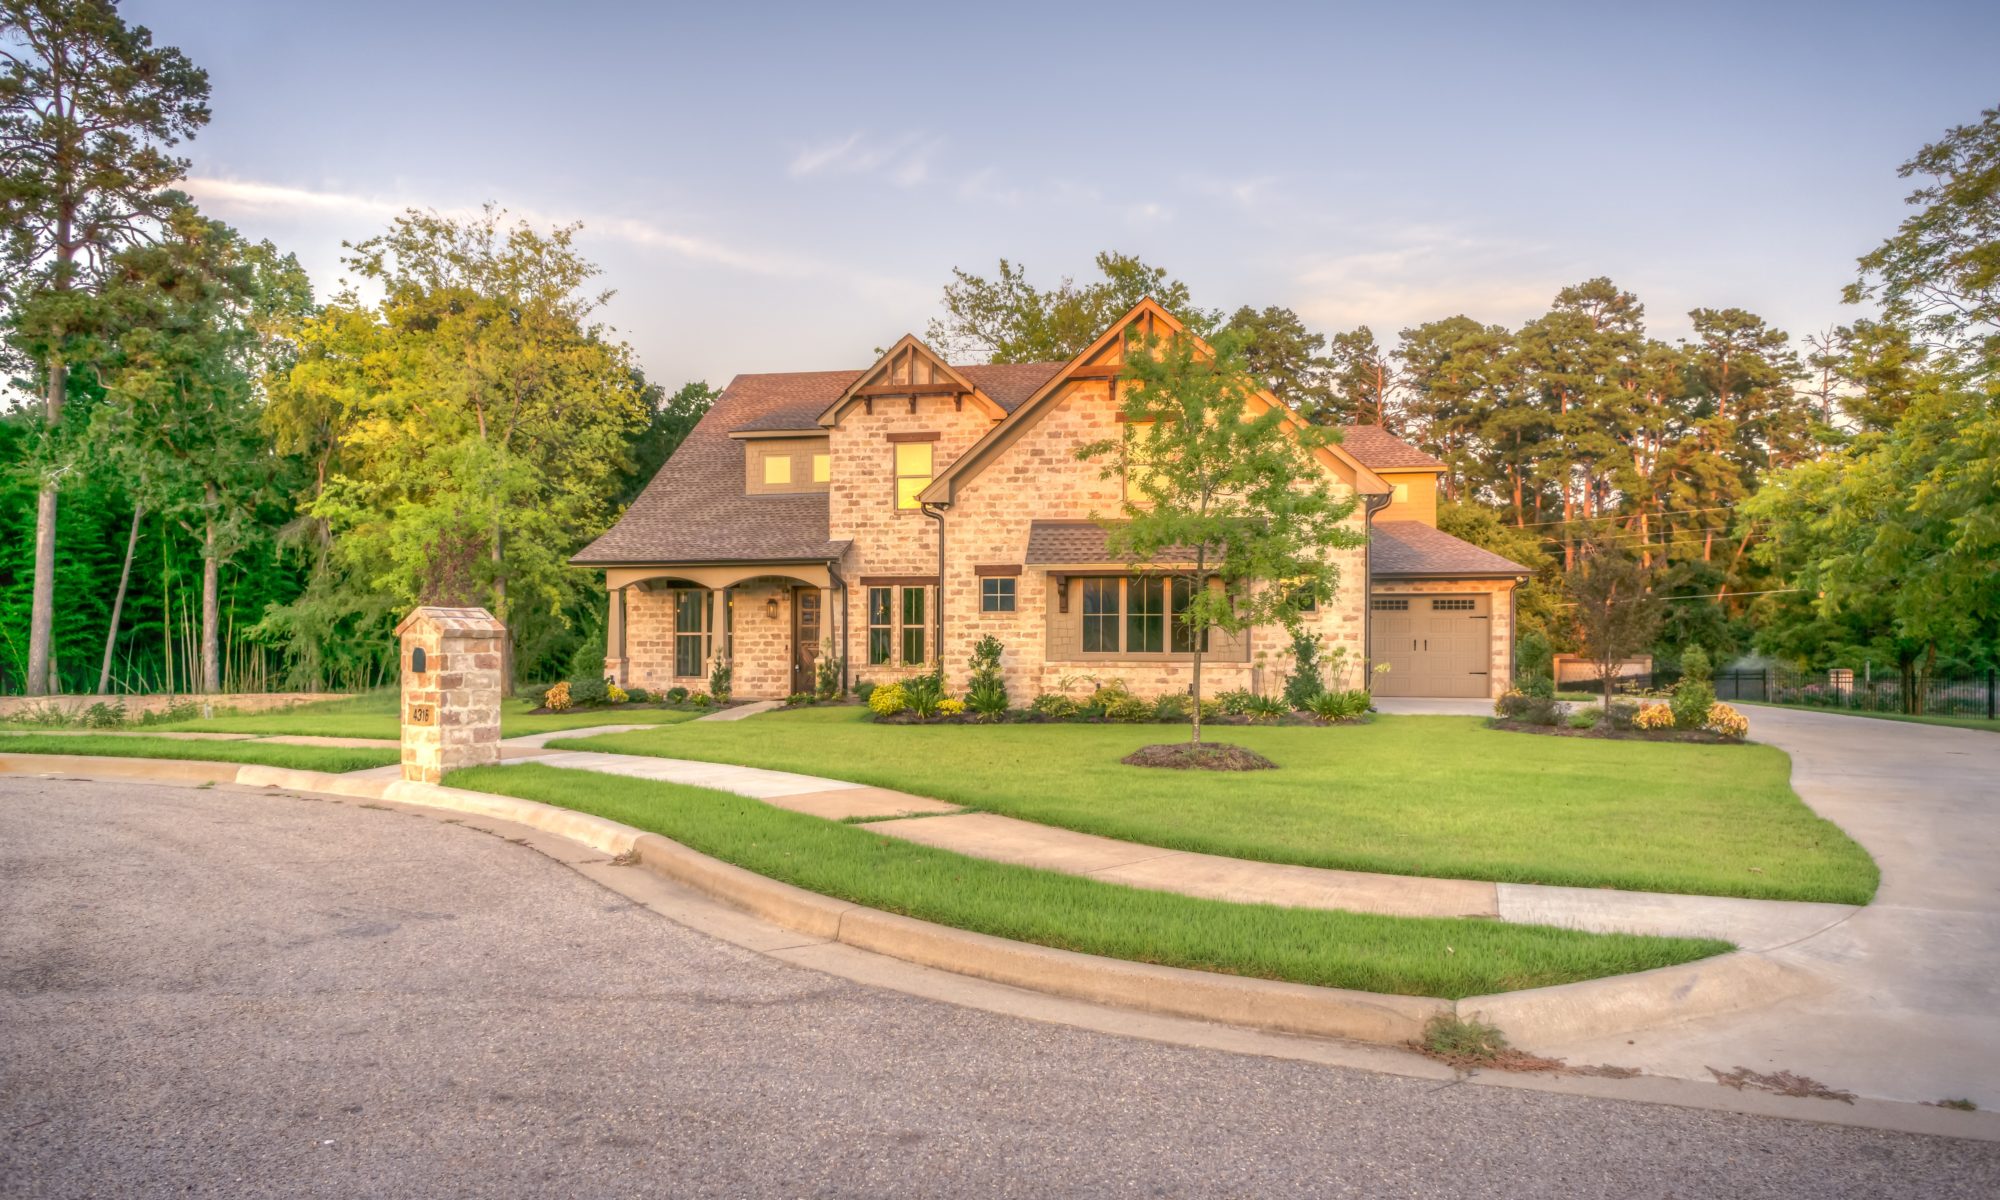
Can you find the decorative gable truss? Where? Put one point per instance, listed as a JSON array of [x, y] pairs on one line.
[[907, 373], [1104, 360]]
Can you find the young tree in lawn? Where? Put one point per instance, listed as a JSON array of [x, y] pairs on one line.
[[1614, 607], [1226, 485], [88, 108]]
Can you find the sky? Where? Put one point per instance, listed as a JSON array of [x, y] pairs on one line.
[[778, 187]]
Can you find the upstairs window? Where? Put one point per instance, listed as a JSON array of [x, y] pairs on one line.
[[777, 470], [913, 472], [822, 468]]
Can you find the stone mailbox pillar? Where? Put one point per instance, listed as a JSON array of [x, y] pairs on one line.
[[451, 690]]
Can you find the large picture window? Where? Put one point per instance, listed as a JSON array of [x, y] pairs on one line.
[[690, 632], [1146, 619], [881, 625], [1137, 616]]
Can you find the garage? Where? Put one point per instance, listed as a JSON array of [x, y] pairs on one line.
[[1434, 645]]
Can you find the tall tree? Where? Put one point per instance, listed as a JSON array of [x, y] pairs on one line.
[[1363, 378], [89, 108], [1283, 355], [1218, 475], [1007, 319]]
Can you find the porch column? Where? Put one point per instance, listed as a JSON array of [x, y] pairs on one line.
[[726, 625], [614, 636]]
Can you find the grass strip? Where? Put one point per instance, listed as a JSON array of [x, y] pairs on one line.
[[1440, 796], [1981, 723], [330, 759], [377, 715], [1415, 956]]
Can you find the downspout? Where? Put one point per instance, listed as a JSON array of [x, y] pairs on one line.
[[1370, 505], [936, 513], [846, 662]]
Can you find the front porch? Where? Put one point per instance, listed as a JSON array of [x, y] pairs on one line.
[[769, 623]]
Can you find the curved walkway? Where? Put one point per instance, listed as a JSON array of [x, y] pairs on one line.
[[1750, 924]]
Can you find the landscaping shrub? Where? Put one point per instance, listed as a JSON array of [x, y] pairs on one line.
[[925, 693], [677, 695], [1211, 709], [1653, 716], [588, 691], [987, 695], [104, 716], [1304, 681], [183, 710], [701, 700], [888, 701], [1691, 701], [863, 689], [796, 699], [1539, 687], [1622, 714], [1235, 702], [827, 671], [1586, 717], [950, 707], [1172, 706], [1054, 704], [639, 695], [557, 698], [1128, 708], [1339, 706], [613, 694], [1264, 709], [719, 677], [1695, 665], [1515, 705], [588, 660], [1534, 655], [1725, 721]]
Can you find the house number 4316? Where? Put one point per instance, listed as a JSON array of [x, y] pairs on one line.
[[423, 714]]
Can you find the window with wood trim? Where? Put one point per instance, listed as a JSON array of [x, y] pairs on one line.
[[913, 472], [822, 468], [1133, 617], [914, 627], [996, 594], [690, 632], [1100, 615], [777, 470], [881, 625], [786, 465]]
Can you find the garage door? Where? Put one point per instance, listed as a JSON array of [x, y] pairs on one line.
[[1434, 645]]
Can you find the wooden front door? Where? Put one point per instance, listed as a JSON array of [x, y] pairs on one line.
[[805, 637]]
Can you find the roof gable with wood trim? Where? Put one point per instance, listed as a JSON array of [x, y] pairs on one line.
[[1104, 359], [907, 371]]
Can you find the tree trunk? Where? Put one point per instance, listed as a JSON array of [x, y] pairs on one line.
[[118, 603], [507, 629], [42, 610], [211, 625]]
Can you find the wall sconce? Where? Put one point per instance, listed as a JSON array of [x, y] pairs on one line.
[[771, 608]]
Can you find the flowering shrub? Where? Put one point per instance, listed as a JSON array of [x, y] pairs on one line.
[[950, 708], [1054, 704], [556, 699], [1654, 716], [1691, 701], [889, 700], [1726, 722], [1509, 702], [615, 694]]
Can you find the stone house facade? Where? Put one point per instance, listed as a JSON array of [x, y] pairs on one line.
[[870, 519]]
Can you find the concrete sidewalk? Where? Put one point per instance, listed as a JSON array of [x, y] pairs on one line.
[[1750, 924]]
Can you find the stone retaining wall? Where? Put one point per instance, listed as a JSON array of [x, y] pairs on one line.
[[244, 702]]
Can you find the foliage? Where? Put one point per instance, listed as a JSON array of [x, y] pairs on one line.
[[1513, 705], [1128, 708], [888, 700], [1654, 717], [987, 693], [1304, 681], [702, 700], [1265, 708], [331, 759], [1236, 701], [925, 692], [1007, 319], [800, 699], [720, 674], [613, 694], [1463, 1039], [828, 669], [1695, 664], [677, 695], [1692, 698], [639, 695], [1170, 707], [1339, 706], [557, 698], [1616, 611], [863, 689], [1541, 687], [1217, 474], [1053, 704], [950, 707], [589, 691], [1586, 718], [1726, 722]]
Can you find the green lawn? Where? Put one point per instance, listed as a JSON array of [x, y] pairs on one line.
[[1952, 722], [332, 759], [1439, 796], [1418, 956], [375, 715]]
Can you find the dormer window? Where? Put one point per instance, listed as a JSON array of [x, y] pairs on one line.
[[785, 465]]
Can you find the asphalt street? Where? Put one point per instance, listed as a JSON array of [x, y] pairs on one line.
[[211, 992]]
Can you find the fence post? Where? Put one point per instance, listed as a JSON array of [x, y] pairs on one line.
[[1990, 695]]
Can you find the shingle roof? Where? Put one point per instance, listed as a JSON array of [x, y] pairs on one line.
[[695, 509], [1057, 543], [1414, 548], [1378, 449]]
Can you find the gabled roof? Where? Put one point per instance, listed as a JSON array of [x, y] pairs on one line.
[[1412, 549], [909, 364], [1384, 451], [1101, 356]]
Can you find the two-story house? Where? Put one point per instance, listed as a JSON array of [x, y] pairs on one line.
[[886, 514]]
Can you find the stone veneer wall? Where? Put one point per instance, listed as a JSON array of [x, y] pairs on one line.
[[1500, 668], [241, 702], [762, 658], [462, 684]]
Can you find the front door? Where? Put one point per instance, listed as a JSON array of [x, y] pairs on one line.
[[805, 637]]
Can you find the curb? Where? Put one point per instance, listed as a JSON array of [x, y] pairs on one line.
[[1539, 1016]]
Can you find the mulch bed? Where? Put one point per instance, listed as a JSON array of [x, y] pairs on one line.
[[1207, 756], [1034, 718], [1605, 732], [614, 709]]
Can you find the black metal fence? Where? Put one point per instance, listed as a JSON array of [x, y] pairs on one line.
[[1742, 685], [1962, 696]]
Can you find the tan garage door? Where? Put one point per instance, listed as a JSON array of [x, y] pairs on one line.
[[1434, 645]]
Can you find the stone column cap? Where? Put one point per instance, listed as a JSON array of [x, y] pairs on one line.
[[452, 620]]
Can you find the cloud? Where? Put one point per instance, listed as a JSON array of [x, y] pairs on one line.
[[904, 161], [1419, 273], [239, 197]]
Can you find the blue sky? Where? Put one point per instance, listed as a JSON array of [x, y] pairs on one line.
[[777, 187]]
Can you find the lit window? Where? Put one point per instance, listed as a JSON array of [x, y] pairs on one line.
[[913, 472], [996, 595], [822, 468]]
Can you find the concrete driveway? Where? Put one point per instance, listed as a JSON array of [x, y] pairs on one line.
[[221, 992], [1911, 1003]]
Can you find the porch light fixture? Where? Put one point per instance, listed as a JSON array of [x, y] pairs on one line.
[[771, 608]]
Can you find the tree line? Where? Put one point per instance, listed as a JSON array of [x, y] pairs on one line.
[[211, 480]]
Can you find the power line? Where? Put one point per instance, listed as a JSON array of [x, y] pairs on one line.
[[1668, 512]]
